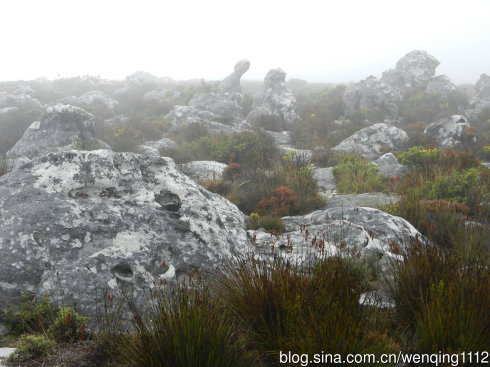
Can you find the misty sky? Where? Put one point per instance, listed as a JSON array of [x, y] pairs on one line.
[[329, 41]]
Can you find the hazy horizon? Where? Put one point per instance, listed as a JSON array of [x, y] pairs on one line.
[[314, 41]]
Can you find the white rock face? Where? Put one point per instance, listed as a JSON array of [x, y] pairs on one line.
[[325, 181], [77, 224], [361, 230], [481, 101], [371, 141], [451, 133], [203, 170]]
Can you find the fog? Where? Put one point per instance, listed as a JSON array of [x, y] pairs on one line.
[[312, 40]]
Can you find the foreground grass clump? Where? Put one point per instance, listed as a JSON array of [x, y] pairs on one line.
[[442, 301], [185, 328], [304, 310], [355, 175], [34, 345]]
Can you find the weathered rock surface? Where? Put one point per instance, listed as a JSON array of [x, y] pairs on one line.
[[203, 170], [389, 166], [481, 101], [95, 101], [380, 98], [368, 199], [371, 142], [154, 147], [452, 132], [278, 103], [77, 224], [360, 230], [441, 85], [372, 96], [419, 65], [325, 180], [231, 84], [61, 127]]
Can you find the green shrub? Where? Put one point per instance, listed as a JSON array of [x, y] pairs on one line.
[[31, 315], [34, 345], [186, 328], [68, 326], [356, 175]]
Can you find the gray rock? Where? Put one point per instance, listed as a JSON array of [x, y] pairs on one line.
[[154, 147], [325, 180], [372, 141], [481, 101], [368, 199], [453, 132], [226, 108], [371, 96], [389, 166], [441, 85], [231, 84], [78, 224], [360, 230], [278, 103], [419, 65], [61, 127], [95, 101], [203, 170]]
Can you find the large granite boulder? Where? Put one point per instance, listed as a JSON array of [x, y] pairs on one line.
[[61, 127], [373, 141], [231, 84], [362, 231], [481, 101], [278, 104], [452, 132], [419, 65], [78, 224], [371, 97]]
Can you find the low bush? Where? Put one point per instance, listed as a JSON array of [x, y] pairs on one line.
[[356, 175], [34, 345], [68, 326]]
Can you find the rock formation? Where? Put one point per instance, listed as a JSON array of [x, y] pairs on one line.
[[372, 141], [378, 99], [278, 103], [154, 147], [203, 170], [219, 112], [95, 101], [361, 230], [61, 127], [389, 166], [371, 97], [231, 84], [481, 101], [77, 224], [453, 132]]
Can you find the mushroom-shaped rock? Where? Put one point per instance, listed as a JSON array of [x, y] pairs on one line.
[[76, 224], [231, 84]]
